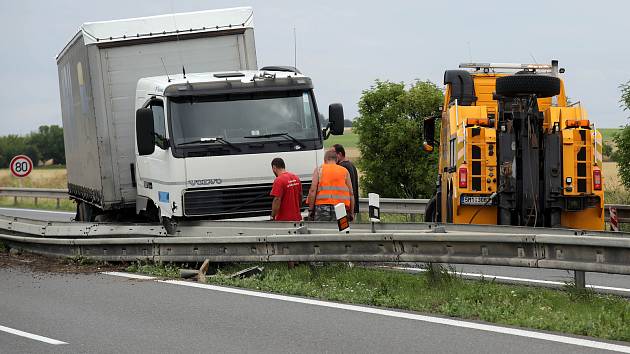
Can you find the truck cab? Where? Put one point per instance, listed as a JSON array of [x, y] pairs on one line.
[[205, 141], [513, 151]]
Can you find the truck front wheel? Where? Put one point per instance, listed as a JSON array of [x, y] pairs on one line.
[[170, 224]]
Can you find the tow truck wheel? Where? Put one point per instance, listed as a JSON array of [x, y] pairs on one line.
[[527, 84]]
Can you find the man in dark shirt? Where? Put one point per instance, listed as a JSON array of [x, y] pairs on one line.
[[286, 193], [342, 160]]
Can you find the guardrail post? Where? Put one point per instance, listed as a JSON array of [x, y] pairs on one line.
[[579, 277], [35, 201], [15, 200], [58, 203]]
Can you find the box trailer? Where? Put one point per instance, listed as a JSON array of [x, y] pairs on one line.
[[98, 73]]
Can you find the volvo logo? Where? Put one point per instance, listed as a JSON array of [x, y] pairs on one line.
[[205, 182]]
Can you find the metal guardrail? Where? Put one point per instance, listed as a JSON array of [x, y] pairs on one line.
[[36, 193], [229, 241], [387, 205]]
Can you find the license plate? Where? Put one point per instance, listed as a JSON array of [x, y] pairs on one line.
[[475, 200]]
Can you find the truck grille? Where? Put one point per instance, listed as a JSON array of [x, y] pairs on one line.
[[232, 201]]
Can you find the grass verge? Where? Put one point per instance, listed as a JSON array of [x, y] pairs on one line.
[[154, 269], [570, 311]]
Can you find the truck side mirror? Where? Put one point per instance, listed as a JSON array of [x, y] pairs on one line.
[[145, 132], [429, 134], [335, 119]]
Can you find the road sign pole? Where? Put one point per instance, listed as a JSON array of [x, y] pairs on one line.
[[614, 220]]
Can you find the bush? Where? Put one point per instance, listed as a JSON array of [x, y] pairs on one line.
[[390, 139], [607, 150], [622, 140]]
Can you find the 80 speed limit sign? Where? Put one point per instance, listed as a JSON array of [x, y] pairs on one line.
[[21, 165]]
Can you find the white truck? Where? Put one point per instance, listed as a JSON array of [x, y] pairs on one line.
[[168, 117]]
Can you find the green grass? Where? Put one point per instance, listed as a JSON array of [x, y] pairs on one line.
[[348, 140], [577, 312], [155, 269], [607, 133], [44, 204], [392, 218], [80, 261]]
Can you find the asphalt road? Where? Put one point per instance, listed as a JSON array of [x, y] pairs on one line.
[[38, 214], [97, 313], [620, 284]]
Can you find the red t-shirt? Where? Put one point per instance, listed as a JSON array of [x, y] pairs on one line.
[[288, 188]]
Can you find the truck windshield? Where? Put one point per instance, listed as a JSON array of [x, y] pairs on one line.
[[236, 118]]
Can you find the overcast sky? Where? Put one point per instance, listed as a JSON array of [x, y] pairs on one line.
[[345, 45]]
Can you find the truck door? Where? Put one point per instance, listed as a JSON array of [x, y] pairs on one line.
[[154, 171]]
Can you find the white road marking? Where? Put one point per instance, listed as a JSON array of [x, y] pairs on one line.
[[438, 320], [17, 332], [40, 211], [520, 280]]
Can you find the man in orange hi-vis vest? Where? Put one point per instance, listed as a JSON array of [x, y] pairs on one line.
[[331, 186]]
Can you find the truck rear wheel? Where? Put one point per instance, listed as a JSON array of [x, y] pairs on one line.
[[527, 84], [85, 212]]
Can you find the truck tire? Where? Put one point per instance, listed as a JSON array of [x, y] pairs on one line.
[[170, 225], [527, 84], [85, 212]]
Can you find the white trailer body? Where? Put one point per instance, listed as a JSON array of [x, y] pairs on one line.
[[99, 71]]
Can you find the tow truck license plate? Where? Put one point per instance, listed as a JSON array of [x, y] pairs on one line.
[[475, 200]]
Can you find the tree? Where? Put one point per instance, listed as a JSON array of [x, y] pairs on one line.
[[49, 141], [607, 150], [347, 123], [622, 140], [390, 139], [12, 145]]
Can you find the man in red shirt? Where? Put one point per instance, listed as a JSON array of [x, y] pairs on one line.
[[287, 193]]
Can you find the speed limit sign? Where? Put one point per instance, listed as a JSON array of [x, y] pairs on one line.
[[21, 165]]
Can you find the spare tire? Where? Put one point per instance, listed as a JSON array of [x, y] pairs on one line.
[[518, 85]]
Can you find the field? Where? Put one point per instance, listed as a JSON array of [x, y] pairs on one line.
[[607, 133], [348, 139], [48, 177], [39, 178], [350, 142]]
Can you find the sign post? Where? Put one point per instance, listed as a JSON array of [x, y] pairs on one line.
[[342, 218], [375, 209], [614, 220], [21, 166]]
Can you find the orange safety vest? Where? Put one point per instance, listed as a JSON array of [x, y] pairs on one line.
[[332, 187]]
